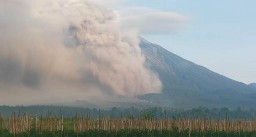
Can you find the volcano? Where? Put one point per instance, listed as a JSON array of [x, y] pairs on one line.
[[186, 84]]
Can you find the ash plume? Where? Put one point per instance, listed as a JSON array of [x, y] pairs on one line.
[[66, 50]]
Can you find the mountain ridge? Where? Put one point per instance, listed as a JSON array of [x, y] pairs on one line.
[[184, 79]]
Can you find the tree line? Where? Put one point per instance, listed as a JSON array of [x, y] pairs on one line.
[[132, 112]]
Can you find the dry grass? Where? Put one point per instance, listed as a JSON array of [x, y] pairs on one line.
[[22, 123]]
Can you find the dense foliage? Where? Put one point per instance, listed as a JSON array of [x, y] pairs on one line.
[[116, 113]]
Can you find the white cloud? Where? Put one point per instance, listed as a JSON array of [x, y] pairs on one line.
[[151, 21], [108, 3]]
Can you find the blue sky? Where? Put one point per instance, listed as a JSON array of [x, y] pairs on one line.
[[219, 35]]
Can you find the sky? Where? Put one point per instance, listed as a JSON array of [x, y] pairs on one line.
[[219, 35]]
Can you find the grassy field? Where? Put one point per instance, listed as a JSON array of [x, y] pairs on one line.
[[129, 133], [51, 126]]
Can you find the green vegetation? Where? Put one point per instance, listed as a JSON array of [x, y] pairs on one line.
[[130, 133], [134, 112]]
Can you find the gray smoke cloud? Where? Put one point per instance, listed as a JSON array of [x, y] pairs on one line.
[[66, 50]]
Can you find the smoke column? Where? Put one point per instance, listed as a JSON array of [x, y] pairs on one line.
[[67, 50]]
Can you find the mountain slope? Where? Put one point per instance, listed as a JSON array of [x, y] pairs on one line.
[[253, 85], [186, 84]]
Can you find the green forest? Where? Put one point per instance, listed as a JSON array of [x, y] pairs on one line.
[[134, 112]]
